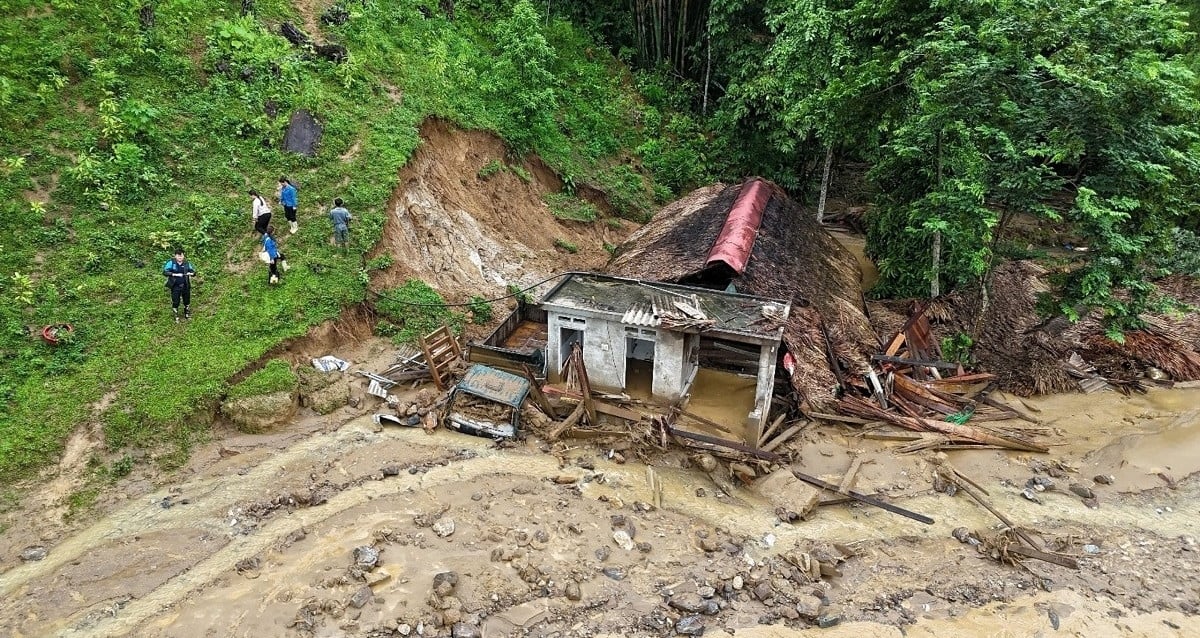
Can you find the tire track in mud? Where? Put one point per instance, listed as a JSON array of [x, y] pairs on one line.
[[751, 518]]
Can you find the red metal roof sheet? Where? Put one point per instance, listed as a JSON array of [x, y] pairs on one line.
[[736, 239]]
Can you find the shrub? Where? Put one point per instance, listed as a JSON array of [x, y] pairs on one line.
[[569, 208], [491, 168], [417, 310], [481, 310], [566, 245]]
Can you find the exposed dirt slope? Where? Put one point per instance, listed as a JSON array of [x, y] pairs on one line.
[[469, 235]]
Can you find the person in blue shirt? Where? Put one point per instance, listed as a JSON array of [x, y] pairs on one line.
[[272, 250], [341, 223], [179, 273], [287, 198]]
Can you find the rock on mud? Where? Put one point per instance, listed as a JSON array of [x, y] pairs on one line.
[[34, 553], [465, 630], [573, 591], [361, 597], [444, 527], [792, 498], [622, 539], [444, 583], [366, 557], [257, 414], [690, 626]]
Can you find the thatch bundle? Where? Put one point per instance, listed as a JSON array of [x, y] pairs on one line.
[[793, 258]]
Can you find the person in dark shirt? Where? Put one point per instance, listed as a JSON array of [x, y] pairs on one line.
[[179, 273], [287, 198], [341, 223]]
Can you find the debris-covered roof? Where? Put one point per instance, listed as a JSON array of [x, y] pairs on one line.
[[793, 258], [683, 308]]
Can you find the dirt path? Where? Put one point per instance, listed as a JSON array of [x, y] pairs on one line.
[[262, 542]]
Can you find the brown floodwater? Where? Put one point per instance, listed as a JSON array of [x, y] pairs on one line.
[[857, 245]]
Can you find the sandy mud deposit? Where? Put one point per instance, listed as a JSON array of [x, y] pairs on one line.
[[364, 531]]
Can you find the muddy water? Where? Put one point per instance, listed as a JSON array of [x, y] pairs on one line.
[[857, 245], [725, 398]]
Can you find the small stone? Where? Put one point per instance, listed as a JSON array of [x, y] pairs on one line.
[[390, 470], [1040, 484], [377, 577], [366, 557], [1092, 503], [825, 622], [644, 547], [444, 527], [687, 603], [1030, 496], [738, 582], [574, 529], [706, 591], [404, 629], [566, 479], [701, 492], [451, 617], [690, 626], [1104, 479], [710, 544], [1082, 491], [34, 553], [616, 572], [573, 591], [1091, 549], [622, 539], [602, 553], [444, 583], [361, 597], [763, 590], [464, 630], [809, 607], [477, 496]]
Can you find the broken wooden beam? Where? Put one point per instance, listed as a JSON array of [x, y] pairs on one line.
[[811, 480], [928, 363], [535, 392], [566, 423], [765, 436], [783, 437]]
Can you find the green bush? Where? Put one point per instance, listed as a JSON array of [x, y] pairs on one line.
[[490, 169], [569, 208], [417, 310], [276, 376], [566, 245], [481, 310]]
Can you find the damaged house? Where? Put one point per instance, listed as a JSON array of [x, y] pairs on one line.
[[703, 307]]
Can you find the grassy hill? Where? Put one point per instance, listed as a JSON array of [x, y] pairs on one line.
[[125, 132]]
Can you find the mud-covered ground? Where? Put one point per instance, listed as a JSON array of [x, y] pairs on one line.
[[336, 526]]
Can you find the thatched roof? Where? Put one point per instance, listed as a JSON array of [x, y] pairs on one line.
[[793, 258]]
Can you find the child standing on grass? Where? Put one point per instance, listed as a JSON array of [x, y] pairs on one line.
[[287, 198], [341, 223], [272, 250], [179, 273]]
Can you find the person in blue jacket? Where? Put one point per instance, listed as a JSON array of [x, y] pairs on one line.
[[179, 273], [272, 250], [287, 198]]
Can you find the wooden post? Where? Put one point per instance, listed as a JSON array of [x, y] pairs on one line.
[[824, 185], [934, 287]]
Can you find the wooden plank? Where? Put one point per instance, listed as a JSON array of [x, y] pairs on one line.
[[928, 363], [535, 392], [850, 476], [566, 423], [783, 438], [764, 436], [618, 411], [895, 345]]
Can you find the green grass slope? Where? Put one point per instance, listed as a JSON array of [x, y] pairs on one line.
[[122, 137]]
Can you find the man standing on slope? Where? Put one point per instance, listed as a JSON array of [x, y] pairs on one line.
[[179, 273], [341, 223], [287, 198]]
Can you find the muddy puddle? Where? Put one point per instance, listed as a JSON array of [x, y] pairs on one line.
[[262, 542]]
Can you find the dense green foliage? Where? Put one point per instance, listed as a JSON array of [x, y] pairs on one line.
[[1080, 114], [123, 138]]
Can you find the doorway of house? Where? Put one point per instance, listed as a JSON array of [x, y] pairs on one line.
[[639, 367], [568, 338]]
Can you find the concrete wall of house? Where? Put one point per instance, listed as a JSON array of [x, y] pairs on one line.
[[765, 387], [669, 370], [604, 355], [555, 323]]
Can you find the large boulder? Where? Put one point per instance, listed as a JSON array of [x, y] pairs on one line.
[[260, 413], [330, 397], [303, 133]]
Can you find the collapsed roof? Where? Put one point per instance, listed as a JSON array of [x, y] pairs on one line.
[[755, 238]]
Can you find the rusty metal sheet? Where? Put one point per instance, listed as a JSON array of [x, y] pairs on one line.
[[737, 236]]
